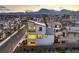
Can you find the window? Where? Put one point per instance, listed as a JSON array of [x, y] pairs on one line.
[[1, 25], [57, 30], [31, 44], [39, 36], [46, 36], [26, 36], [40, 28], [32, 36], [31, 27], [55, 26], [59, 25]]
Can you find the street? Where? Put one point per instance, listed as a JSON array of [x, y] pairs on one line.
[[9, 45]]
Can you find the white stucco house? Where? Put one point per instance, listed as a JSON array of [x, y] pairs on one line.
[[38, 34]]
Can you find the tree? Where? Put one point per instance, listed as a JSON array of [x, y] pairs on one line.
[[44, 18]]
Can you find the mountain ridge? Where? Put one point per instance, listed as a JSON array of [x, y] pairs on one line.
[[45, 11]]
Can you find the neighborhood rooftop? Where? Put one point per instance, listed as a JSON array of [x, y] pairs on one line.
[[37, 23]]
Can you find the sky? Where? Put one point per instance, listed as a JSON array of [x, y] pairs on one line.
[[23, 8]]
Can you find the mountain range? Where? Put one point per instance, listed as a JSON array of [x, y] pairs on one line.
[[45, 11], [63, 11]]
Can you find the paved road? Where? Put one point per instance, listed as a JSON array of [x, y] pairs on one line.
[[9, 45]]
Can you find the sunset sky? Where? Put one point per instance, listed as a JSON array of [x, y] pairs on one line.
[[23, 8]]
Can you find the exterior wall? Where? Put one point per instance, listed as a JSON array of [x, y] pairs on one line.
[[73, 29], [72, 35], [50, 31], [71, 38], [37, 30], [40, 32], [44, 41], [72, 18], [30, 27]]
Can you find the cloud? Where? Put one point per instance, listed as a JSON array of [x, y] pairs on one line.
[[3, 8]]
